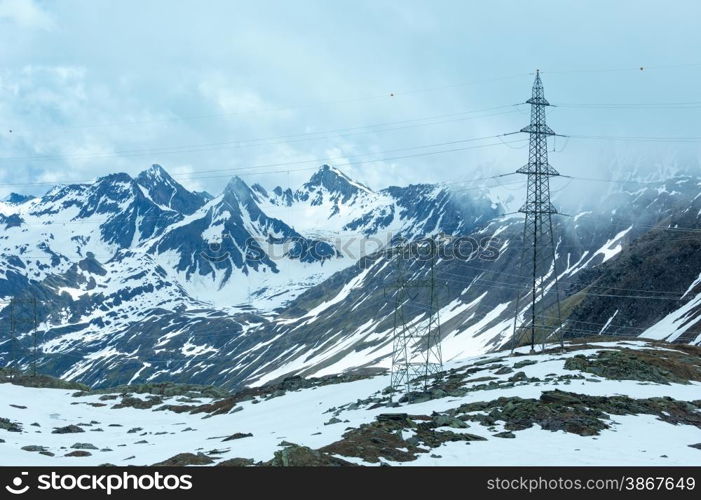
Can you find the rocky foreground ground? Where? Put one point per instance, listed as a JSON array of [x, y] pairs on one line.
[[622, 402]]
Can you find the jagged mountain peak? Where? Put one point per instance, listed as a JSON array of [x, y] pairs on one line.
[[242, 199], [165, 191], [329, 184], [115, 186], [335, 180], [237, 189], [155, 171]]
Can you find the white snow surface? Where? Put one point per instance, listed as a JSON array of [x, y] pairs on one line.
[[300, 416]]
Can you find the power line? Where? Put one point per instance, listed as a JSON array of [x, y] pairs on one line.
[[426, 307], [387, 94], [677, 294], [613, 181], [637, 138], [273, 140], [317, 161], [639, 105], [514, 286], [414, 305], [631, 68], [481, 281], [454, 186]]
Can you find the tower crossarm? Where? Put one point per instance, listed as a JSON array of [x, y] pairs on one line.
[[538, 129]]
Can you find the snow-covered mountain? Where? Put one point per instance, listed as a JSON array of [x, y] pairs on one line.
[[139, 279], [231, 238], [628, 266], [332, 204], [115, 256]]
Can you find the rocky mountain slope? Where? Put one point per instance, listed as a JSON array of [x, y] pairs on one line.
[[602, 402], [135, 276], [140, 280], [347, 320]]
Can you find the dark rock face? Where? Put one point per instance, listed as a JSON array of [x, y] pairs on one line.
[[380, 439], [661, 264], [182, 459], [116, 198], [236, 215], [131, 402], [404, 437], [443, 211], [576, 413], [648, 366], [69, 429], [293, 455], [78, 453], [204, 196], [236, 462], [238, 435], [8, 425], [17, 198], [10, 221], [45, 381], [41, 450], [165, 389], [84, 446]]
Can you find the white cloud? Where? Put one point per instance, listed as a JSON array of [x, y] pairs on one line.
[[25, 14], [229, 85], [187, 176], [230, 99]]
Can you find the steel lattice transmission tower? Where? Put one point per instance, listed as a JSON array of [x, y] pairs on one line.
[[538, 255], [416, 346]]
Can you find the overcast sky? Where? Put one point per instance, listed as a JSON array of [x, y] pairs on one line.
[[210, 89]]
